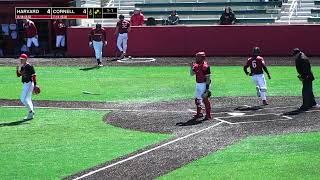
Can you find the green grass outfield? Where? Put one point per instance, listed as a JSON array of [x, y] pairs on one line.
[[58, 143], [146, 83], [294, 156]]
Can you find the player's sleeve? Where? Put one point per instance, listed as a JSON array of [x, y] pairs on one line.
[[245, 67], [208, 71], [118, 24], [33, 75], [263, 63], [33, 26], [31, 70]]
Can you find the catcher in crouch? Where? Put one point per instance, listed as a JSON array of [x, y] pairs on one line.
[[28, 77], [201, 69]]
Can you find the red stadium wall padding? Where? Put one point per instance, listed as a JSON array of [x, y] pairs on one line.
[[238, 40]]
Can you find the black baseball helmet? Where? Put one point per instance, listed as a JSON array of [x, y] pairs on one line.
[[121, 16], [256, 51]]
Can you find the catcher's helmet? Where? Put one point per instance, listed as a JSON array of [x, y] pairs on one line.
[[256, 51]]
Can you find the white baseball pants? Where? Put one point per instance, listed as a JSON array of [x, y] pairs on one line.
[[260, 82], [122, 42], [97, 46], [27, 94], [200, 89], [33, 40], [60, 41]]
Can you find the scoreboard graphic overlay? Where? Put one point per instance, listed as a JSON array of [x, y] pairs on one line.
[[65, 13]]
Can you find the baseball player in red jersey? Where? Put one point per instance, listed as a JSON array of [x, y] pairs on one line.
[[31, 33], [122, 29], [28, 77], [98, 39], [257, 66], [60, 30], [202, 71]]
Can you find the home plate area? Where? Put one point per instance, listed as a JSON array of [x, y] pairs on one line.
[[242, 118]]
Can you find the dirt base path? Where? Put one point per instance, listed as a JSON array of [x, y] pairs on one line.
[[235, 118]]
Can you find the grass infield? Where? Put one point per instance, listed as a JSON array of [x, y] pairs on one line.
[[146, 83], [294, 156], [58, 143]]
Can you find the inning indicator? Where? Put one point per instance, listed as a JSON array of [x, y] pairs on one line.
[[65, 13]]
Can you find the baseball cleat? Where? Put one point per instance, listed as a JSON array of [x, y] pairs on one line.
[[317, 106], [29, 116], [207, 118], [197, 116], [264, 102], [100, 65]]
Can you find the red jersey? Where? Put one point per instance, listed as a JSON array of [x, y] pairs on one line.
[[59, 28], [201, 70], [123, 26], [30, 29], [137, 20], [98, 35], [256, 65]]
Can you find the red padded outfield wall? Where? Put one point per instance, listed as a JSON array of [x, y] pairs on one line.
[[238, 40]]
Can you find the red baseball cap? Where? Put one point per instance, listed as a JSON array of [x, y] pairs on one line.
[[201, 54], [23, 56]]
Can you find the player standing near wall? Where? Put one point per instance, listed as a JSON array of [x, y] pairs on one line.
[[257, 66], [28, 77], [202, 71], [31, 34], [98, 39], [122, 29], [60, 30]]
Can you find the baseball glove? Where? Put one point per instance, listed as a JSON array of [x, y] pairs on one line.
[[206, 94], [36, 90]]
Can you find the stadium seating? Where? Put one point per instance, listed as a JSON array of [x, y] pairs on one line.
[[315, 13], [210, 12]]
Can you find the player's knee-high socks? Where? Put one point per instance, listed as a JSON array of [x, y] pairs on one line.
[[198, 105], [208, 107], [263, 93]]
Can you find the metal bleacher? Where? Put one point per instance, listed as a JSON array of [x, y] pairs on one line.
[[209, 11], [315, 13]]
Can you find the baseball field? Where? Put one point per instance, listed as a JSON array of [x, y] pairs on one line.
[[131, 121]]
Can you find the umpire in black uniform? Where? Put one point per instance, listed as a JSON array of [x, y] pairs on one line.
[[305, 75]]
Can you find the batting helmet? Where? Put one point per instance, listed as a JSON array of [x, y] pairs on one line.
[[256, 51]]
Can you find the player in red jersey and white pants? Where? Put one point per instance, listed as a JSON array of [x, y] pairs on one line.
[[98, 39], [122, 29], [257, 66], [202, 71], [60, 30], [28, 77], [31, 34]]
